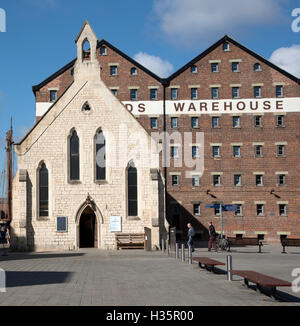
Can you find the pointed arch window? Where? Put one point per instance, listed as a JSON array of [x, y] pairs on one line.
[[100, 156], [43, 191], [132, 190], [74, 157]]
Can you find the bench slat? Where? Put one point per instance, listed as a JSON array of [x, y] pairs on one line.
[[207, 261], [261, 279]]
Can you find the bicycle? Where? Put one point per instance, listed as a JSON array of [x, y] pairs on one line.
[[222, 242]]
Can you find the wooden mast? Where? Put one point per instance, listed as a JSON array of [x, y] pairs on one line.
[[9, 143]]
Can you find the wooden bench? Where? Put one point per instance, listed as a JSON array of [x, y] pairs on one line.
[[289, 243], [261, 280], [244, 242], [207, 263], [130, 241]]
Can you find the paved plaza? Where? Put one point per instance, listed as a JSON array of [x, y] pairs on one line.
[[137, 278]]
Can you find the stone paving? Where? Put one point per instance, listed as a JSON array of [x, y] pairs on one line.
[[137, 278]]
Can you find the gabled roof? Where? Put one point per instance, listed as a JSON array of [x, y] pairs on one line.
[[227, 38], [100, 43]]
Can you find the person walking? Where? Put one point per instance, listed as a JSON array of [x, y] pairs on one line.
[[191, 234], [212, 237], [4, 239]]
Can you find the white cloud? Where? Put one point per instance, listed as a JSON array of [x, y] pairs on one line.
[[189, 21], [288, 59], [160, 67]]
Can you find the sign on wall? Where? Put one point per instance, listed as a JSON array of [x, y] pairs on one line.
[[115, 224], [62, 224]]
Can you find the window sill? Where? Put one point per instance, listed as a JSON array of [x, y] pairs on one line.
[[74, 182], [280, 156], [43, 219], [101, 182], [133, 218]]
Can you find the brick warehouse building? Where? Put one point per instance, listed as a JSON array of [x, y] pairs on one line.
[[249, 112]]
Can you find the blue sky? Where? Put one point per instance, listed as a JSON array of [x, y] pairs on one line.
[[162, 34]]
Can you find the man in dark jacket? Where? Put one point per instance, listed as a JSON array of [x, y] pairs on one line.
[[191, 234], [212, 237]]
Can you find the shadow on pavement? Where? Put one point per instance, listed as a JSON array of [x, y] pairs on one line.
[[14, 279], [23, 256]]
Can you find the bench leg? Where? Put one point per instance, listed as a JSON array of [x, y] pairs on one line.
[[273, 294], [246, 283], [284, 252], [259, 249], [200, 265]]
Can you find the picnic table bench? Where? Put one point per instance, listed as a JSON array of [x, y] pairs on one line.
[[261, 280], [289, 243], [244, 242], [207, 263], [130, 241]]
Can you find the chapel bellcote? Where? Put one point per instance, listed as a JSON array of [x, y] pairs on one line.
[[87, 64]]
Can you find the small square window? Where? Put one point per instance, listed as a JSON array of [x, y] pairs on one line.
[[216, 151], [258, 150], [195, 122], [174, 93], [62, 224], [113, 70], [174, 123], [259, 180], [281, 180], [257, 91], [53, 96], [153, 94], [196, 209], [280, 121], [236, 122], [133, 95], [194, 93], [260, 210], [235, 92], [282, 210], [258, 121], [217, 180], [194, 69], [215, 93], [196, 181], [175, 180], [226, 47], [103, 50], [237, 180], [153, 122], [215, 122], [236, 151], [257, 67], [214, 67], [133, 72], [279, 91], [239, 211], [281, 150], [235, 67]]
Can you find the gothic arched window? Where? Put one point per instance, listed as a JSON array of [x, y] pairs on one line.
[[100, 156], [132, 182], [43, 191], [74, 157]]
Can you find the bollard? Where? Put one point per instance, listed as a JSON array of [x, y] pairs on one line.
[[177, 251], [163, 245], [182, 252], [168, 247], [190, 255], [229, 268]]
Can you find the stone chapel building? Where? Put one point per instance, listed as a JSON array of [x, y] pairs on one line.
[[85, 164]]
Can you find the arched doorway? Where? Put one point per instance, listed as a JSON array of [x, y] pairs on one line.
[[88, 229]]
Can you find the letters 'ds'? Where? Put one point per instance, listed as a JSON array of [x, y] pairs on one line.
[[2, 21], [296, 22]]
